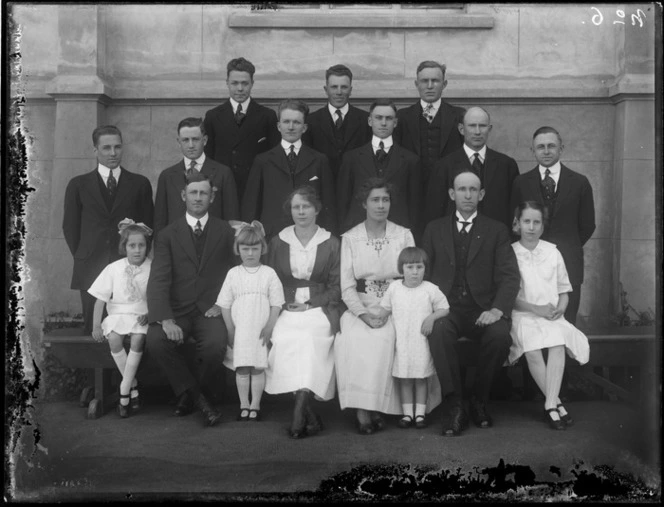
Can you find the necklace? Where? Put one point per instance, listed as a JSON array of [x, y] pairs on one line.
[[254, 271]]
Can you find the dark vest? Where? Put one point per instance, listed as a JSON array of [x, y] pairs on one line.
[[199, 242], [108, 200], [459, 294], [550, 204], [429, 143], [381, 166]]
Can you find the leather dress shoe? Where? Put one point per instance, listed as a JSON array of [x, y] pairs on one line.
[[458, 421], [479, 415], [185, 405], [553, 424], [567, 419], [210, 415]]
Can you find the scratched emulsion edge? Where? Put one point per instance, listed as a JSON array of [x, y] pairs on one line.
[[19, 390]]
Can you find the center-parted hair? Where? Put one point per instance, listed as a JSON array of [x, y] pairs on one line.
[[195, 177], [134, 229], [106, 130], [412, 255], [371, 184], [294, 105], [518, 211], [382, 102], [192, 122], [250, 235], [241, 65], [431, 64], [308, 193]]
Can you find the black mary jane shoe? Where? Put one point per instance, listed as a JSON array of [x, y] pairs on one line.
[[567, 419], [553, 424], [123, 410], [135, 401], [241, 417], [421, 422], [257, 417], [405, 422]]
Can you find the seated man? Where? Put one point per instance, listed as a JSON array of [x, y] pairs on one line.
[[474, 265], [279, 171], [168, 202], [383, 159], [191, 258]]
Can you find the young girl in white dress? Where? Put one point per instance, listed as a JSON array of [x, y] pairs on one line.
[[121, 286], [250, 300], [415, 306], [538, 320]]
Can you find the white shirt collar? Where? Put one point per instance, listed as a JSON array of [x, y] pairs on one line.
[[105, 171], [471, 153], [199, 162], [555, 171], [460, 219], [436, 105], [286, 146], [387, 143], [333, 111], [245, 105], [192, 221]]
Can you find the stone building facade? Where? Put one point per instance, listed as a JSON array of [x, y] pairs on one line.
[[145, 67]]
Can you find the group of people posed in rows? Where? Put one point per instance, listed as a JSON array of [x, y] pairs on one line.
[[239, 256]]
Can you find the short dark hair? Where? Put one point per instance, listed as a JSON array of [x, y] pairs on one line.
[[431, 64], [518, 211], [460, 170], [308, 193], [106, 130], [295, 105], [250, 235], [547, 130], [195, 177], [382, 102], [411, 255], [133, 229], [338, 70], [192, 122], [241, 65], [371, 184]]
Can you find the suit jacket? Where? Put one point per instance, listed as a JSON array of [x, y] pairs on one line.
[[177, 280], [572, 222], [407, 132], [320, 134], [325, 291], [236, 147], [403, 171], [500, 171], [492, 272], [270, 182], [169, 206], [91, 229]]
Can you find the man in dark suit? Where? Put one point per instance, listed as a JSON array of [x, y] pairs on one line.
[[241, 128], [276, 173], [95, 203], [569, 199], [338, 127], [496, 170], [168, 205], [429, 127], [474, 265], [191, 258], [383, 159]]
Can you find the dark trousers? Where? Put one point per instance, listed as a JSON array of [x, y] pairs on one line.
[[210, 337], [495, 341], [88, 308], [573, 304]]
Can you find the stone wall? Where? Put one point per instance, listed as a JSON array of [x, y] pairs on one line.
[[145, 67]]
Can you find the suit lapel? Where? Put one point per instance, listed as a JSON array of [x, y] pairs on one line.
[[304, 159], [183, 236], [534, 182], [563, 188], [124, 189], [92, 185], [352, 122], [327, 126], [446, 124], [366, 161], [394, 161], [447, 234], [477, 235], [177, 179], [278, 159], [412, 118], [213, 237], [489, 168]]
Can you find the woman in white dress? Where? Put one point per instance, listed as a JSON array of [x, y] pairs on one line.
[[538, 320], [364, 349], [306, 259]]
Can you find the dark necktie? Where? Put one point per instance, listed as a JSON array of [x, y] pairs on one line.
[[548, 185], [380, 152], [191, 168], [428, 112], [198, 230], [292, 158], [239, 115], [478, 167], [339, 121], [111, 184], [463, 230]]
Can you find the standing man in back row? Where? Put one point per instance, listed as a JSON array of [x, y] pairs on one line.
[[429, 127], [241, 128], [337, 127]]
